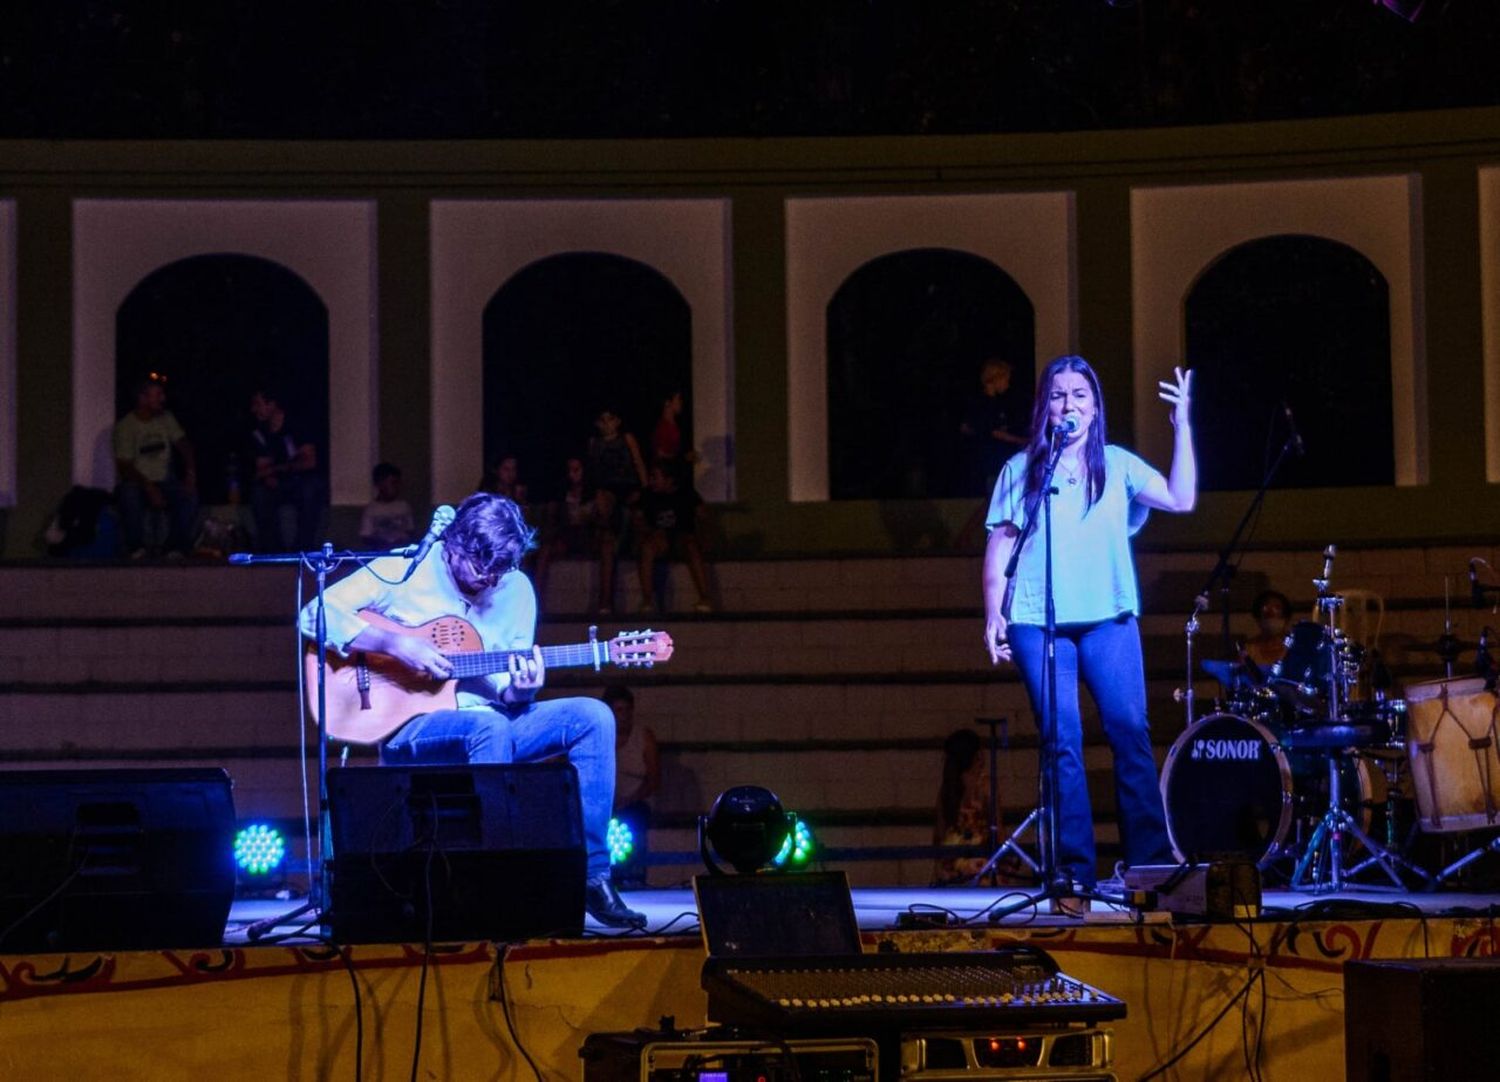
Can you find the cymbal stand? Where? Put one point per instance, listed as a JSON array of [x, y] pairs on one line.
[[1329, 837]]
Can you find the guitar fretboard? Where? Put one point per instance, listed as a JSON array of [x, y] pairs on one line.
[[485, 662]]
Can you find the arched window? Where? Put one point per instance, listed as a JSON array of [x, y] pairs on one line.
[[570, 335], [908, 334], [219, 326], [1301, 321]]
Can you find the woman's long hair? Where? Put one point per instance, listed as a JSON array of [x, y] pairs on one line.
[[1040, 445]]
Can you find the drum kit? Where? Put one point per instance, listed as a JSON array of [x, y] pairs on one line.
[[1300, 768]]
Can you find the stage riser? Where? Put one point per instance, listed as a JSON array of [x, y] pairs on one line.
[[272, 1010]]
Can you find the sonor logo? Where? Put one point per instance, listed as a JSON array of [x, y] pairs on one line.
[[1240, 751]]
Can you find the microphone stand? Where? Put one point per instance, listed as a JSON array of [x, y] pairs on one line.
[[321, 562], [1054, 884], [1222, 574]]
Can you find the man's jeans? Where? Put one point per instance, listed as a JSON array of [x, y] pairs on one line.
[[582, 729]]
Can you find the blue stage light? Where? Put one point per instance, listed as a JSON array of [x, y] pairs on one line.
[[259, 849], [797, 850], [621, 841]]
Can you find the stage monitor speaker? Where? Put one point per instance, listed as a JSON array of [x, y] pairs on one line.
[[1414, 1018], [104, 860], [489, 851]]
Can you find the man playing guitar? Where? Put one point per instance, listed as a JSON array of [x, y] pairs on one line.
[[473, 573]]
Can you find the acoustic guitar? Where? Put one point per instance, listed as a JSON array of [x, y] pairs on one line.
[[371, 695]]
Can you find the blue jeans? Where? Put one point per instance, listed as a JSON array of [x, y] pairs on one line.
[[1108, 657], [582, 729], [177, 519], [304, 493]]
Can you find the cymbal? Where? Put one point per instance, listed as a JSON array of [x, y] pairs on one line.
[[1437, 646]]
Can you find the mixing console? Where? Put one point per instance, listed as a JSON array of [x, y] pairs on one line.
[[852, 993]]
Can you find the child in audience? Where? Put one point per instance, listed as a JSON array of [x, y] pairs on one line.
[[387, 520], [669, 508]]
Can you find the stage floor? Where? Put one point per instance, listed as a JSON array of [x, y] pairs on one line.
[[879, 909]]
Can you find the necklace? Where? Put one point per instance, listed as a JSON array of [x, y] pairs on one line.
[[1071, 475]]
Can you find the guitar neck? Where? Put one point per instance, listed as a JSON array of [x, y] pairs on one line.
[[570, 656]]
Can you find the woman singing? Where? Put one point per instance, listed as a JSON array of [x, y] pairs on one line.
[[1102, 496]]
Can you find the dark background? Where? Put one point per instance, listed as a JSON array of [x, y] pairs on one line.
[[487, 69]]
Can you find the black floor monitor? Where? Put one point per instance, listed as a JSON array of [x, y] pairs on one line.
[[109, 860], [485, 851]]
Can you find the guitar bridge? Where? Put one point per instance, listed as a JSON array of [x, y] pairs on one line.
[[362, 679]]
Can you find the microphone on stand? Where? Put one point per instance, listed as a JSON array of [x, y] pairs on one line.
[[1292, 433], [442, 517], [1328, 554], [1067, 426]]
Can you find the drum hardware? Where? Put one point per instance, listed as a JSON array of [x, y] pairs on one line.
[[1321, 866], [1390, 760], [1231, 789]]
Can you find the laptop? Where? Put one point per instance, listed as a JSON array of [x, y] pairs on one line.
[[806, 915]]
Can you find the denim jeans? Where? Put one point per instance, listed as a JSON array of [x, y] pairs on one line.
[[171, 528], [304, 493], [582, 729], [1108, 657]]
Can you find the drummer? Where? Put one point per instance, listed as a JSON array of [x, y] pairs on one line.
[[1271, 610]]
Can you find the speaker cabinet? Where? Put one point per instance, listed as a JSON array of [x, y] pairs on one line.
[[104, 860], [456, 853], [1415, 1018]]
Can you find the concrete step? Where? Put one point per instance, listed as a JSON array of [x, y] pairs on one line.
[[1169, 580], [241, 649]]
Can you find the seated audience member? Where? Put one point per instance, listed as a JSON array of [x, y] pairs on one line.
[[571, 527], [387, 521], [1271, 610], [963, 813], [504, 479], [284, 473], [617, 472], [637, 779], [157, 495], [669, 510], [666, 438]]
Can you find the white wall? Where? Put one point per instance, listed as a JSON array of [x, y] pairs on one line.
[[478, 245], [1177, 232], [330, 244], [9, 442], [1030, 236], [1489, 284]]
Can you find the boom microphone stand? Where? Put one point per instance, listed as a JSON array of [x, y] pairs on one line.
[[1223, 572]]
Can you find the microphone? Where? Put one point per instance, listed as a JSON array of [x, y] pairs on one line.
[[1476, 592], [1328, 554], [1067, 426], [1292, 433], [442, 518]]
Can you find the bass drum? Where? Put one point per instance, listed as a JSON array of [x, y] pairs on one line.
[[1227, 788], [1230, 790]]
